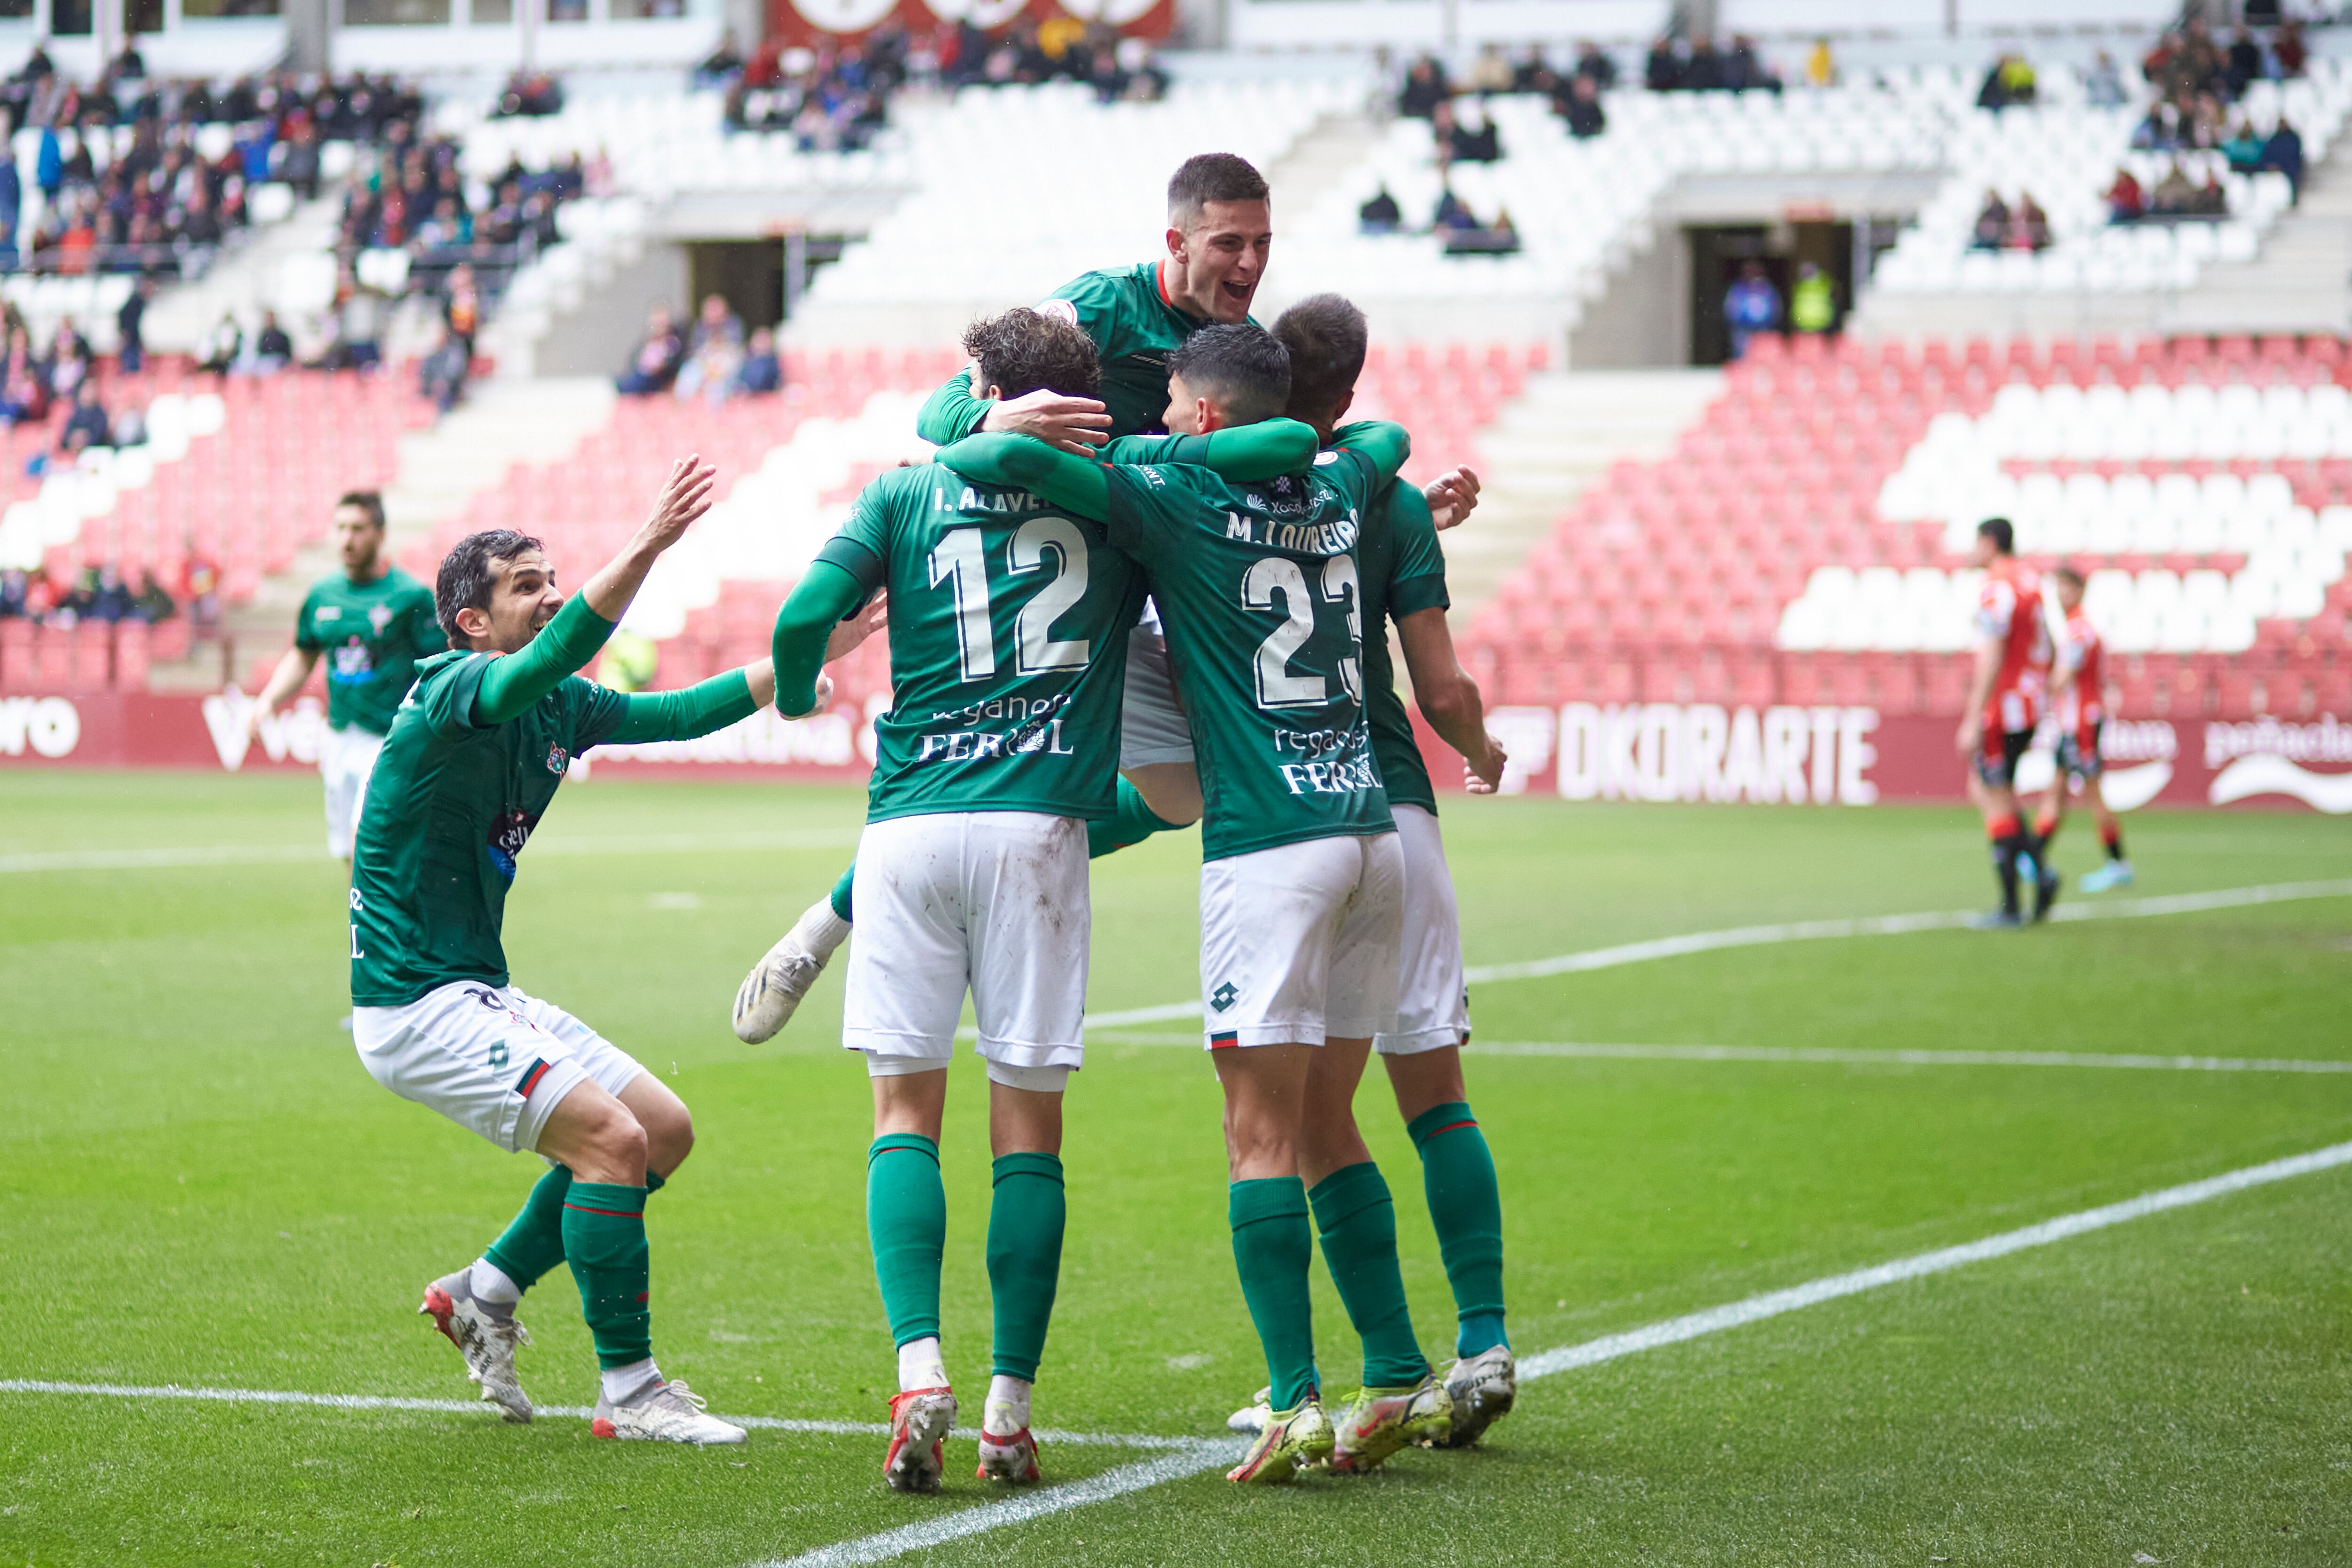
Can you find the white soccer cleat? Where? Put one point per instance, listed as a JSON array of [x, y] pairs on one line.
[[667, 1413], [487, 1341], [920, 1419], [765, 1003], [1485, 1387], [1012, 1460]]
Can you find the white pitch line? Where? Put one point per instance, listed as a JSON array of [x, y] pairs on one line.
[[1809, 930], [1835, 1056], [279, 853]]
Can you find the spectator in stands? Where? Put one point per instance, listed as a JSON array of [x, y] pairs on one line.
[[724, 64], [1583, 112], [2212, 199], [200, 582], [1744, 70], [105, 597], [530, 94], [1592, 62], [129, 326], [1702, 66], [273, 351], [1451, 214], [1812, 301], [461, 308], [2103, 84], [1661, 71], [87, 425], [2283, 153], [1534, 74], [1992, 223], [2174, 195], [1380, 214], [763, 370], [2242, 147], [69, 360], [297, 166], [2159, 131], [2009, 83], [1751, 306], [1491, 71], [130, 428], [2126, 202], [24, 388], [655, 363], [13, 585], [1470, 137], [356, 342], [2242, 64], [1425, 89], [2029, 225], [441, 375], [2286, 49], [153, 604], [710, 367], [12, 206]]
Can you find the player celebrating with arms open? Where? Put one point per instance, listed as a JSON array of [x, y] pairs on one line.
[[473, 760]]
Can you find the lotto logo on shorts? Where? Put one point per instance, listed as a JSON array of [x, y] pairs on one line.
[[1223, 996]]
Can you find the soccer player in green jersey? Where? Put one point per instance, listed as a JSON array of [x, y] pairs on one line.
[[1302, 880], [1220, 236], [372, 622], [1402, 574], [1008, 649], [473, 760]]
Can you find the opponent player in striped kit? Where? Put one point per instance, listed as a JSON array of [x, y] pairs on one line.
[[2007, 697], [2078, 693]]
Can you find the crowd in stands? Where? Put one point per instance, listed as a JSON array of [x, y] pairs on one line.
[[713, 360], [1752, 308], [1693, 64], [160, 205], [98, 594], [2001, 226]]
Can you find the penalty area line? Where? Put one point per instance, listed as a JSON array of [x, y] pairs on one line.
[[1834, 1056], [1608, 1347], [1810, 931]]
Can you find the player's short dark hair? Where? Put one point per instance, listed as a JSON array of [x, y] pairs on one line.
[[1212, 177], [1324, 336], [2067, 572], [1244, 367], [368, 501], [1998, 529], [466, 579], [1025, 351]]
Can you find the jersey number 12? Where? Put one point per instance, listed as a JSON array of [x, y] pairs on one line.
[[960, 560]]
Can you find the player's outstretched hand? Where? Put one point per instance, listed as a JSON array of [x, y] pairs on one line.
[[683, 499], [848, 635], [1073, 424], [1972, 732], [1453, 496], [1483, 774]]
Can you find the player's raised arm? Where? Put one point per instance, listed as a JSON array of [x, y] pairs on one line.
[[813, 628], [1386, 444], [1245, 452], [1022, 463]]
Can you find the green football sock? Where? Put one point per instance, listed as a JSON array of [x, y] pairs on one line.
[[1273, 1247], [1357, 1220], [906, 1219], [1026, 1215], [605, 1242], [1133, 823], [1457, 1173], [533, 1242], [841, 892]]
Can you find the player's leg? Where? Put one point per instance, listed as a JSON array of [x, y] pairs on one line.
[[901, 998], [1155, 744], [2116, 870], [1031, 919], [766, 1000], [1989, 789]]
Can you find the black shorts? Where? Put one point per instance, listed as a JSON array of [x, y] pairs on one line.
[[1996, 759], [2078, 755]]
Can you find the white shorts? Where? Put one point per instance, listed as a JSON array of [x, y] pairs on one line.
[[995, 901], [488, 1058], [1299, 943], [346, 757], [1152, 723], [1433, 1008]]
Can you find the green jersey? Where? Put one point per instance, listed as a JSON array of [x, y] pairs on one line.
[[1134, 327], [372, 634], [1008, 647], [451, 806], [1404, 570], [1258, 589]]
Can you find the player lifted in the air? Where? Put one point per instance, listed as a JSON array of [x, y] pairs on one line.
[[1302, 880], [473, 759], [1008, 649], [2078, 695], [2007, 693], [372, 622], [1220, 236], [1401, 573]]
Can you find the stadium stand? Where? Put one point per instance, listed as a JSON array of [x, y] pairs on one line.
[[1803, 543]]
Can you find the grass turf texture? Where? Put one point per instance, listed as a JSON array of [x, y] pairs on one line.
[[200, 1185]]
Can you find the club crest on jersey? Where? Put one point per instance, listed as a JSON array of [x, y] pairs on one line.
[[558, 759], [379, 617], [1061, 310]]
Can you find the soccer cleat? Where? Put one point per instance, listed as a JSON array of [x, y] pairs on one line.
[[1996, 920], [1252, 1417], [1012, 1459], [2045, 892], [765, 1001], [487, 1340], [665, 1413], [1380, 1421], [920, 1421], [2113, 874], [1292, 1440], [1485, 1387]]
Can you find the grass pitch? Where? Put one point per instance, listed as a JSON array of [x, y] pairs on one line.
[[199, 1185]]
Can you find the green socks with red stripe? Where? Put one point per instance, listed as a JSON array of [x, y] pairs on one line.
[[1457, 1173], [906, 1221], [1357, 1220], [1026, 1217], [1273, 1248], [533, 1242], [1133, 823], [605, 1242]]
